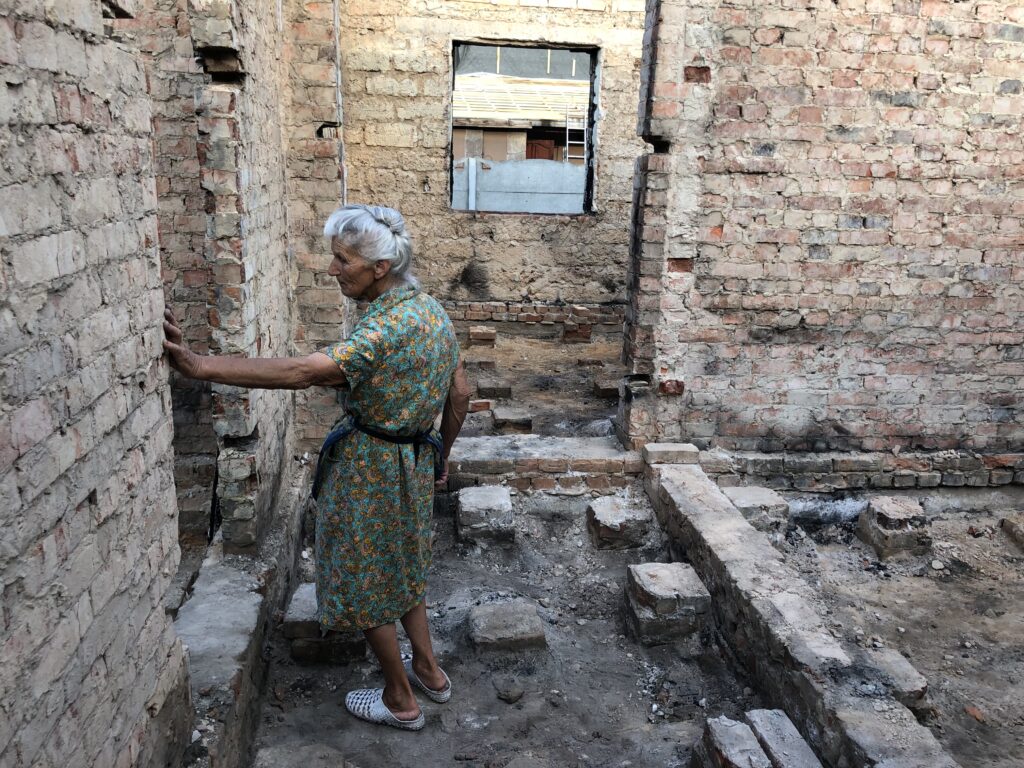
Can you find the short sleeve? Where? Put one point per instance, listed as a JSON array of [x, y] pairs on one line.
[[360, 354]]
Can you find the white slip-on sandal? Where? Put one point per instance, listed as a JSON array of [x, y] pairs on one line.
[[437, 696], [368, 704]]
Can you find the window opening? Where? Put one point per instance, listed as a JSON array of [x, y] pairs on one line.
[[522, 129]]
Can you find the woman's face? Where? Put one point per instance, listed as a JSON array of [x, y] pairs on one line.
[[355, 275]]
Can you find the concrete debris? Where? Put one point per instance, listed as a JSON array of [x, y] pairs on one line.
[[763, 508], [780, 739], [894, 524], [907, 685], [509, 626], [1014, 528], [485, 512], [665, 602], [616, 523], [728, 744]]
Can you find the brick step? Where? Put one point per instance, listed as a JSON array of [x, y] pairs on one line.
[[557, 465], [303, 629], [512, 421], [666, 603], [618, 523]]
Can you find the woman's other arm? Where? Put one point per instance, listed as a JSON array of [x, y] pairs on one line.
[[455, 409], [253, 372]]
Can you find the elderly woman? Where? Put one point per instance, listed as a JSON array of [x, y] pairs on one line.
[[378, 467]]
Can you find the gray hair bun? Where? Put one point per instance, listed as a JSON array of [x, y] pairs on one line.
[[377, 232]]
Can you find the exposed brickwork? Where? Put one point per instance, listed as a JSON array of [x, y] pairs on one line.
[[162, 32], [397, 110], [315, 158], [91, 671], [843, 471], [841, 265]]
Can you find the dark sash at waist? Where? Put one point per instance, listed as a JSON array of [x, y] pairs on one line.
[[349, 424]]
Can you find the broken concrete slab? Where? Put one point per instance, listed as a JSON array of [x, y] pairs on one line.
[[901, 677], [666, 602], [512, 420], [728, 744], [507, 626], [485, 512], [493, 389], [894, 524], [617, 523], [763, 508], [671, 453], [770, 618], [780, 739], [308, 644]]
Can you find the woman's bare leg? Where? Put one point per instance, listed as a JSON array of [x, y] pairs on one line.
[[423, 662], [398, 695]]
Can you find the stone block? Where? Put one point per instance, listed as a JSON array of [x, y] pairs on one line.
[[485, 512], [665, 602], [780, 740], [615, 523], [507, 626], [513, 421], [671, 453], [1014, 528], [482, 336], [728, 744], [308, 646], [493, 389], [894, 524], [300, 618], [762, 507], [608, 388], [908, 686]]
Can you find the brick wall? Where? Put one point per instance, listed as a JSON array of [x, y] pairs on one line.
[[830, 254], [162, 32], [315, 157], [242, 173], [91, 673], [397, 89]]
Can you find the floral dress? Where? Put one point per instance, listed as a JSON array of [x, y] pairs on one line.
[[374, 507]]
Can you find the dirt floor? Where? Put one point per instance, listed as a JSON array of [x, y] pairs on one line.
[[961, 625], [552, 381], [592, 698]]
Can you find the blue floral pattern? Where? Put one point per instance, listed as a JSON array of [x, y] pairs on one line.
[[373, 517]]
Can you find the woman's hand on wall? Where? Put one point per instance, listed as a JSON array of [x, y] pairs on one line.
[[182, 359]]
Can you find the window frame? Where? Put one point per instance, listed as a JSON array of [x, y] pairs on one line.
[[594, 55]]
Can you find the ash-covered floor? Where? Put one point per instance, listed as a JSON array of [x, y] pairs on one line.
[[957, 613], [592, 698]]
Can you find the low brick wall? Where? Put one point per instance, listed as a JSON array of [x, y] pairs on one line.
[[602, 318], [770, 619], [850, 471]]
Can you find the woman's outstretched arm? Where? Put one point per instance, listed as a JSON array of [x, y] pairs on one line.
[[254, 372]]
